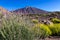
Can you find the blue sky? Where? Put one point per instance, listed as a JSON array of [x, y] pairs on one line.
[[48, 5]]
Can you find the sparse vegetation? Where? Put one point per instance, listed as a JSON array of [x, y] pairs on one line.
[[17, 27]]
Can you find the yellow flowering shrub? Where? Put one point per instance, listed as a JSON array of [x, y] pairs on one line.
[[55, 28], [55, 20], [41, 30]]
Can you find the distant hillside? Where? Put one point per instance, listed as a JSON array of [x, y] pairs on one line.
[[42, 14], [4, 11], [30, 10]]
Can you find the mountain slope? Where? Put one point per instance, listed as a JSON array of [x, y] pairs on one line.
[[3, 10], [30, 10]]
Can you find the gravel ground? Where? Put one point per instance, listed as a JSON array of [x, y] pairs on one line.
[[52, 38]]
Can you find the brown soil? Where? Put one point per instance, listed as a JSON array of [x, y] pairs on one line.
[[52, 38]]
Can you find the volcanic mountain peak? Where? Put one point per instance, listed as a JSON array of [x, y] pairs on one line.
[[30, 10], [28, 7]]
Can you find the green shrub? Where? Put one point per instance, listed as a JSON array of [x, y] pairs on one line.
[[15, 28]]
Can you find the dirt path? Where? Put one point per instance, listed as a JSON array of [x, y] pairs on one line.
[[52, 38]]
